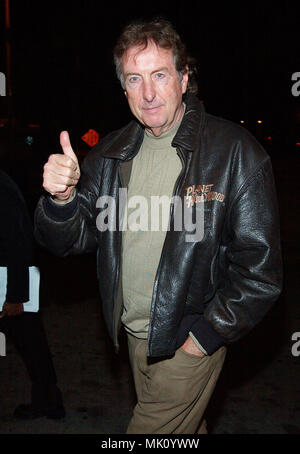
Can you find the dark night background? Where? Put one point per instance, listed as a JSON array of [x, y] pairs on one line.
[[62, 78]]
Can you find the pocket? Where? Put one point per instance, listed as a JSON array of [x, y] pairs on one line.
[[190, 355]]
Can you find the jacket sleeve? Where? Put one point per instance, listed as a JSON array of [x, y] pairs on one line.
[[250, 266], [71, 229]]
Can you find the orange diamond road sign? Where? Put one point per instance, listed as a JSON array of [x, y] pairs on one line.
[[91, 137]]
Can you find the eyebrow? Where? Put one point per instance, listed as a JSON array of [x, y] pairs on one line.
[[163, 68]]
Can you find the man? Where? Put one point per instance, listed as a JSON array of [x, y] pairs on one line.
[[180, 301], [25, 328]]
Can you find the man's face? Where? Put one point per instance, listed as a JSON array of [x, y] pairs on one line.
[[152, 87]]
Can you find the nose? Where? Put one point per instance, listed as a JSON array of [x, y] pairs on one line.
[[149, 90]]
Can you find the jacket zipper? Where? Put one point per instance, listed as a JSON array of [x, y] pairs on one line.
[[175, 191], [117, 284]]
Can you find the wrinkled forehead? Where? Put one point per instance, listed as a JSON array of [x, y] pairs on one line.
[[149, 55]]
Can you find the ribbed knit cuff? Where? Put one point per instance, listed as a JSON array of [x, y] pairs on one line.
[[202, 330], [207, 335], [197, 343], [59, 213]]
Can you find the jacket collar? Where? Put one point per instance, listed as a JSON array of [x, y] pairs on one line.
[[128, 140], [192, 124]]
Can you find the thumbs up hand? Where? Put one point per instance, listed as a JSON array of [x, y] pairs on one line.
[[62, 172]]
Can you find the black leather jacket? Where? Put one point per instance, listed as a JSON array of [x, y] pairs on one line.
[[217, 288]]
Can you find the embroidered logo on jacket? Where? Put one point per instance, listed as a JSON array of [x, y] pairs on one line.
[[202, 193]]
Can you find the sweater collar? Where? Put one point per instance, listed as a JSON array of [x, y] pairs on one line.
[[128, 140]]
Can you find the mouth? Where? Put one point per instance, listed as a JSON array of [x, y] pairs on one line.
[[151, 110]]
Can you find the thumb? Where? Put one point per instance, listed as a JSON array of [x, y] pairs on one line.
[[66, 146]]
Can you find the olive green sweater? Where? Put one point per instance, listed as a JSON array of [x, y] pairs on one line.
[[154, 172]]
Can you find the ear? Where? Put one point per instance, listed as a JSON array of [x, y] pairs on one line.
[[125, 93], [185, 79]]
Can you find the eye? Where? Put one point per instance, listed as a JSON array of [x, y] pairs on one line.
[[133, 79], [159, 75]]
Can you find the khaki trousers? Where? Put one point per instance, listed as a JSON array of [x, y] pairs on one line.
[[172, 393]]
